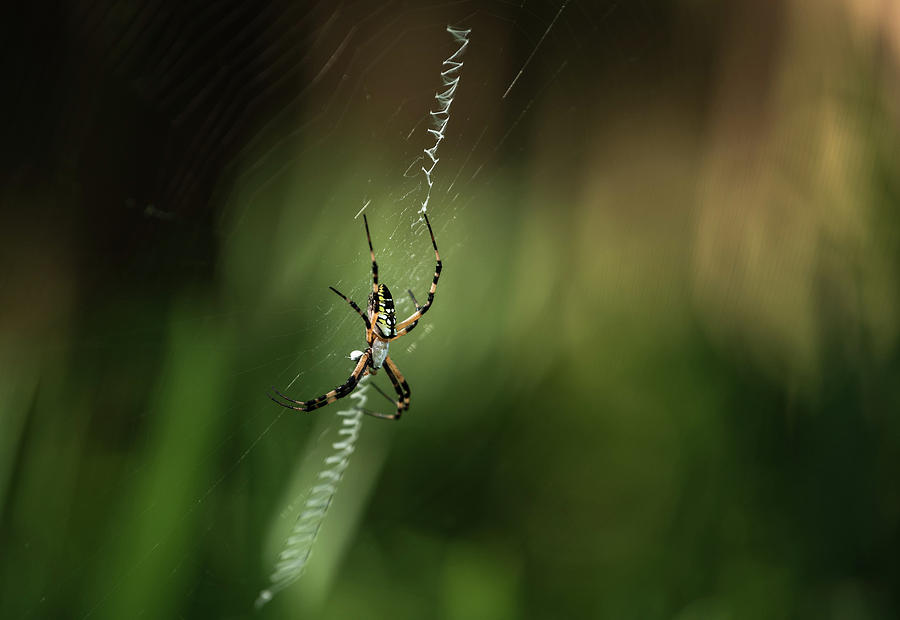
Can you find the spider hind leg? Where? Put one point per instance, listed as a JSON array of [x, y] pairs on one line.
[[352, 305], [421, 310], [372, 254]]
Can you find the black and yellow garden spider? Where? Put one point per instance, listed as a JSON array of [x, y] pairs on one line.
[[381, 329]]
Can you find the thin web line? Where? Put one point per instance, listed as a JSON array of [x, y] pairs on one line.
[[530, 56]]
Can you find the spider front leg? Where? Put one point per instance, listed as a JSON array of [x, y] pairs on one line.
[[329, 397], [400, 386], [437, 274]]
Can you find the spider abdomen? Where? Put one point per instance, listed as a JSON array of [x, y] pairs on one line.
[[382, 303]]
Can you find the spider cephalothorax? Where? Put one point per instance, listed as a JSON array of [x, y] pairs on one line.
[[381, 329]]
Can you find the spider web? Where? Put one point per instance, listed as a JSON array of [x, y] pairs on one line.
[[298, 547], [353, 103], [666, 331]]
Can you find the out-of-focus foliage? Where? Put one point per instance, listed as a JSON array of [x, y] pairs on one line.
[[660, 379]]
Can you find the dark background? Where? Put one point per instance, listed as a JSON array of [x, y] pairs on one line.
[[660, 378]]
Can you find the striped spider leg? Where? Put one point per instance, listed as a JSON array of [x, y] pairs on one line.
[[381, 330], [400, 386], [409, 323], [327, 398]]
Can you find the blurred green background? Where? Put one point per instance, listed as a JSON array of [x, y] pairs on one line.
[[660, 378]]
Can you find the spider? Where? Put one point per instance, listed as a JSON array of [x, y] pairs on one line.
[[381, 329]]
